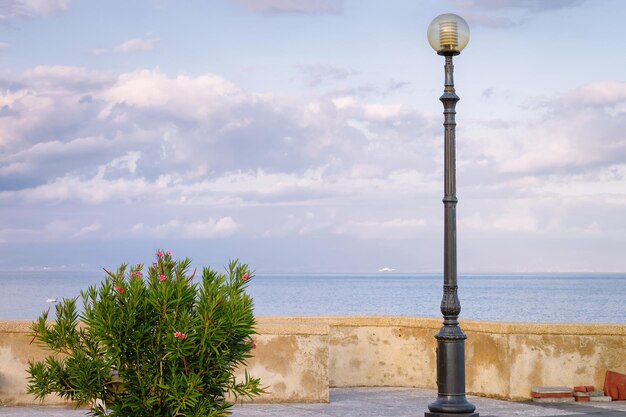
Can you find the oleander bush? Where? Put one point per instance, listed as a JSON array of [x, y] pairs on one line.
[[150, 344]]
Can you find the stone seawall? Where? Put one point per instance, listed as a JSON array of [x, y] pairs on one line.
[[299, 358]]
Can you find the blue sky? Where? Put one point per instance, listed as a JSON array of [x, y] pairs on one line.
[[306, 135]]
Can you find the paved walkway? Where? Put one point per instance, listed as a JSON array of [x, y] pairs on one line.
[[377, 402]]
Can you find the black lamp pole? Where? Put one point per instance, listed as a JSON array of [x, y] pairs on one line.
[[451, 400]]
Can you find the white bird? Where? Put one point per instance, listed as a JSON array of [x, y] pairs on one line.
[[51, 300]]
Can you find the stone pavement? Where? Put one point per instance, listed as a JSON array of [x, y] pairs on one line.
[[377, 402]]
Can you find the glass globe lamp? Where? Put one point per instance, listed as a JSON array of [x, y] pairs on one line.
[[448, 34]]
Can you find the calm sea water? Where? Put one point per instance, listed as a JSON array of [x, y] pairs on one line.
[[564, 298]]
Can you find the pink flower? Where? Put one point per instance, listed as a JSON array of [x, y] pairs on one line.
[[253, 345], [245, 277], [120, 290], [169, 253], [159, 254], [154, 264], [136, 274], [179, 335], [162, 277]]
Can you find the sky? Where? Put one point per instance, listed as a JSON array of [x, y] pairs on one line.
[[305, 136]]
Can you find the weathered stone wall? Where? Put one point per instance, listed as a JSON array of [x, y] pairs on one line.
[[292, 361], [540, 354], [300, 357], [291, 358], [503, 360]]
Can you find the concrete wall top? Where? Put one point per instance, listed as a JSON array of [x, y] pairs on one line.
[[15, 326], [319, 325], [265, 325], [278, 326], [469, 325]]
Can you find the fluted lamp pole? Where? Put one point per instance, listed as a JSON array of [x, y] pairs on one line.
[[448, 34]]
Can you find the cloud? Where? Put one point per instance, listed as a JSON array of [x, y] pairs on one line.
[[54, 230], [176, 147], [509, 13], [51, 158], [388, 229], [292, 6], [320, 74], [383, 111], [146, 154], [58, 76], [512, 219], [11, 9], [45, 104], [571, 133], [25, 92], [147, 43], [598, 93], [184, 96], [92, 191], [91, 228], [528, 5], [490, 21], [179, 229], [397, 85], [126, 162]]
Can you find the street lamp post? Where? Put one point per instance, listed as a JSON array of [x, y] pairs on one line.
[[448, 34]]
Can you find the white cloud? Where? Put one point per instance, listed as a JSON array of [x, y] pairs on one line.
[[383, 111], [30, 160], [530, 5], [160, 152], [395, 229], [91, 228], [58, 229], [320, 74], [597, 93], [147, 43], [11, 9], [62, 77], [199, 229], [127, 162], [507, 13], [182, 96], [96, 190], [292, 6], [513, 220], [41, 102], [344, 102], [571, 133]]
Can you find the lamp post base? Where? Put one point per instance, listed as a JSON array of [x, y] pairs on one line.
[[451, 400], [451, 407]]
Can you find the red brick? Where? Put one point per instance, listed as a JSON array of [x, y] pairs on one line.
[[551, 395], [611, 382]]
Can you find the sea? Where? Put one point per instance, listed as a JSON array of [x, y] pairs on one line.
[[547, 297]]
